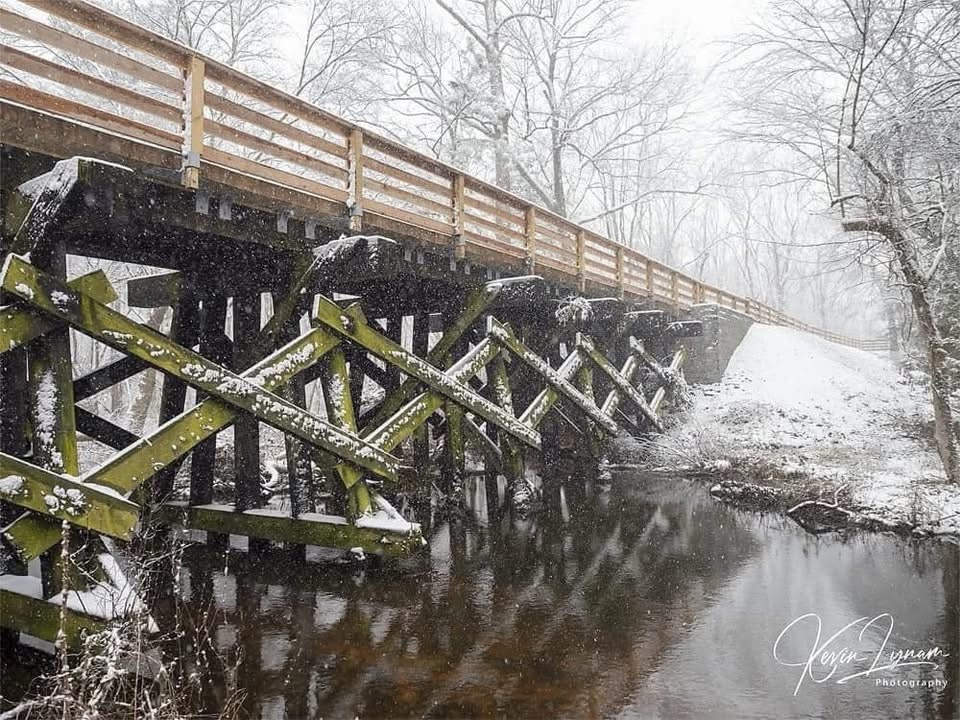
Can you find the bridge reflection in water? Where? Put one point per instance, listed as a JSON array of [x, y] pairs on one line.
[[646, 599]]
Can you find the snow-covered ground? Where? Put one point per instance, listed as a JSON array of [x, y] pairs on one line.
[[795, 407]]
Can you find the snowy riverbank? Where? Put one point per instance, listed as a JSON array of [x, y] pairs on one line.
[[799, 418]]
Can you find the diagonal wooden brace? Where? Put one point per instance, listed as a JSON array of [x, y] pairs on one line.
[[19, 324], [351, 325], [586, 345], [65, 498], [562, 385], [134, 465], [102, 323]]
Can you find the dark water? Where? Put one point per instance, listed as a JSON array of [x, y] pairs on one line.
[[644, 600]]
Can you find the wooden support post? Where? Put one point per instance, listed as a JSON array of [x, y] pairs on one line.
[[213, 319], [513, 459], [649, 276], [246, 428], [192, 123], [421, 436], [581, 261], [621, 275], [51, 401], [340, 412], [184, 330], [457, 215], [530, 238], [355, 179], [674, 289], [134, 465], [301, 482]]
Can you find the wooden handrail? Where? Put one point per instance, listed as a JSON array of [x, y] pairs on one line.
[[600, 263]]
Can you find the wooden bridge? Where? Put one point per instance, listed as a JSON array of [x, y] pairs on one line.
[[489, 327]]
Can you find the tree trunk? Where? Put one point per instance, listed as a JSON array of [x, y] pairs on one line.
[[945, 431]]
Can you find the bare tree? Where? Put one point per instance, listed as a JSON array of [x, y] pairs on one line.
[[868, 93]]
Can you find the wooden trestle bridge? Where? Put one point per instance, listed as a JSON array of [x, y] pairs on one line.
[[381, 265]]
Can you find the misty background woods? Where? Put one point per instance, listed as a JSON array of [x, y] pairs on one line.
[[811, 161]]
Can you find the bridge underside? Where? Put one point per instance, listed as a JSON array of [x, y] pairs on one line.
[[388, 368]]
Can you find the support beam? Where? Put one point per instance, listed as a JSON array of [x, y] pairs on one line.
[[30, 535], [19, 324], [41, 619], [586, 345], [58, 496], [503, 335], [373, 535], [351, 325], [112, 328]]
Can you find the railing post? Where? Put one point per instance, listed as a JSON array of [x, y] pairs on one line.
[[649, 277], [457, 211], [581, 261], [674, 289], [530, 236], [355, 179], [621, 279], [192, 123]]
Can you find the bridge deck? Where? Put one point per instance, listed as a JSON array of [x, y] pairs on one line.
[[82, 81]]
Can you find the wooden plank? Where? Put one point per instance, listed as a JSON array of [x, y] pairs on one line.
[[61, 496], [371, 163], [548, 397], [457, 212], [254, 142], [112, 328], [351, 325], [73, 79], [407, 217], [42, 619], [355, 198], [103, 377], [339, 405], [660, 395], [84, 113], [265, 172], [307, 529], [279, 127], [396, 193], [530, 237], [614, 397], [20, 25], [502, 210]]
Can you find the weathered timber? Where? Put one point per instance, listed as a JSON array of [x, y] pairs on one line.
[[649, 361], [627, 371], [110, 374], [246, 427], [351, 325], [155, 290], [307, 529], [102, 430], [673, 369], [112, 328], [586, 345], [19, 324], [42, 619], [137, 463], [548, 397], [64, 498], [212, 346], [503, 335], [339, 404], [498, 293]]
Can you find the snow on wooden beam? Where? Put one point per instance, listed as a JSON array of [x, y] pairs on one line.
[[372, 534], [137, 463], [586, 345], [350, 324], [58, 496], [110, 327], [35, 616], [19, 324], [503, 335]]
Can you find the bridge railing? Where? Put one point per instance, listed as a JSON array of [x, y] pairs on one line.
[[74, 60]]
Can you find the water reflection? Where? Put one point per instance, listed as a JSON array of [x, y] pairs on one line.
[[647, 599]]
